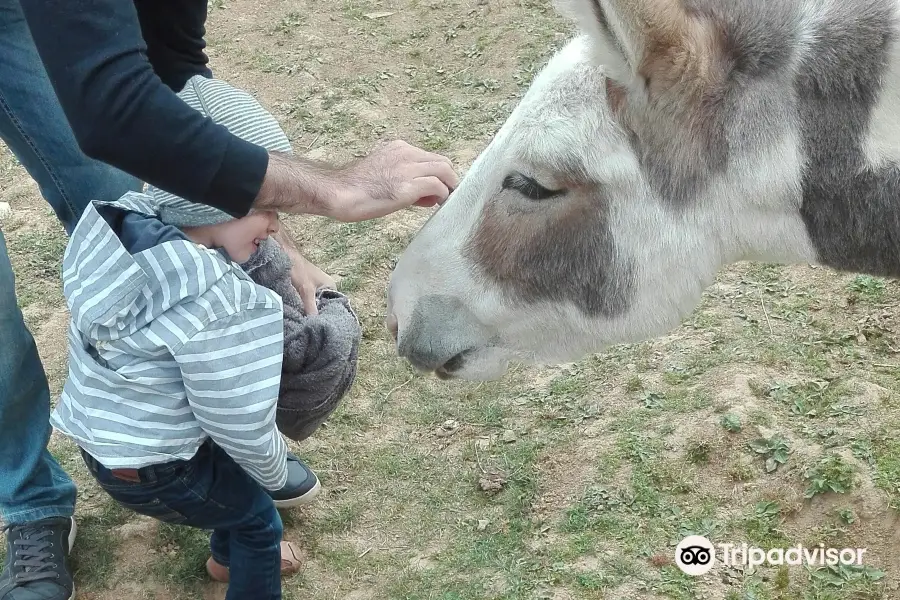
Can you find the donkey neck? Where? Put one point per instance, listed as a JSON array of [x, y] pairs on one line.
[[847, 88], [853, 218]]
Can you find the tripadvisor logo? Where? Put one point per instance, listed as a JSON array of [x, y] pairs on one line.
[[695, 555]]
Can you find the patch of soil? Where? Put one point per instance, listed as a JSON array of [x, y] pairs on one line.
[[53, 348], [136, 590], [565, 473], [134, 538]]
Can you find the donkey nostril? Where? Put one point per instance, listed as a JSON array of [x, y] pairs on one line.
[[392, 325]]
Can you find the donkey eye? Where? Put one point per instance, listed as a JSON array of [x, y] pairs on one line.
[[529, 188]]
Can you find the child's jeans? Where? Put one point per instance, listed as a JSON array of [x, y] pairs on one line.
[[210, 491]]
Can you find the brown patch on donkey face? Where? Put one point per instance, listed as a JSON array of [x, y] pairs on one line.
[[689, 66], [558, 250], [663, 21]]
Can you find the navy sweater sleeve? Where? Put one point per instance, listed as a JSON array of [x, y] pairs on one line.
[[174, 32], [123, 109]]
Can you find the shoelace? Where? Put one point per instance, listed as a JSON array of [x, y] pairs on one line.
[[32, 556]]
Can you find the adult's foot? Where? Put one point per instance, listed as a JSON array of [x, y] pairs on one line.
[[37, 557], [301, 488]]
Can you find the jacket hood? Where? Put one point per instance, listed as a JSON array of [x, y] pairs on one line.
[[110, 292]]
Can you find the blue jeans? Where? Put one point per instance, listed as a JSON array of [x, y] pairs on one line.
[[209, 491], [33, 126]]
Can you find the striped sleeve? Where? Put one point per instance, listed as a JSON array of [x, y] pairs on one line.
[[232, 373]]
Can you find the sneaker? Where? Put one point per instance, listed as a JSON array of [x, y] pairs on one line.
[[37, 556], [301, 488]]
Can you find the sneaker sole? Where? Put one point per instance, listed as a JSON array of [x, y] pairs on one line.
[[72, 533], [303, 500]]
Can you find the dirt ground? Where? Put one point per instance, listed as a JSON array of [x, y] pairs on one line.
[[768, 418]]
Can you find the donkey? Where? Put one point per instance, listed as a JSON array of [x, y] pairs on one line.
[[668, 139]]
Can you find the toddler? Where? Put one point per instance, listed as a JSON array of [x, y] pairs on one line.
[[180, 369]]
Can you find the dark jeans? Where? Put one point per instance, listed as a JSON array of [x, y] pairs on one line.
[[210, 491]]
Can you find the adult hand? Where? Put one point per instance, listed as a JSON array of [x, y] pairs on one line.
[[391, 177], [306, 277]]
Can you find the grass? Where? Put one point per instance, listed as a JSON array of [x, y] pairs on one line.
[[769, 417], [96, 534], [180, 555], [37, 264]]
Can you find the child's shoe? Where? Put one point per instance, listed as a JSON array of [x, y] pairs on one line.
[[290, 563], [301, 488]]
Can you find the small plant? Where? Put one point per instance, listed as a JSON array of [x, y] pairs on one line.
[[768, 510], [782, 578], [759, 388], [634, 384], [290, 22], [809, 399], [653, 400], [731, 422], [698, 453], [831, 474], [775, 450], [840, 575], [599, 498], [847, 516], [871, 288], [741, 471], [764, 524]]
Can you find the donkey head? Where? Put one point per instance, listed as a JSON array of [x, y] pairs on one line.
[[661, 144]]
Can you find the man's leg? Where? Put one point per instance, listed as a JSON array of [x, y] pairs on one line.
[[36, 495], [33, 125], [32, 485]]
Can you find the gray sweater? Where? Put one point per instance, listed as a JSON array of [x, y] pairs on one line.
[[320, 351]]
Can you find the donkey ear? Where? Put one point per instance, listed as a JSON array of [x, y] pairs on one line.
[[638, 37], [590, 17]]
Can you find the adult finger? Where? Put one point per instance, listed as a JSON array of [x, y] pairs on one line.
[[422, 188], [441, 170], [426, 156], [308, 296], [429, 202], [411, 153]]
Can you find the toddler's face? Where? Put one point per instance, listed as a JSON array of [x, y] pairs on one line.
[[241, 237]]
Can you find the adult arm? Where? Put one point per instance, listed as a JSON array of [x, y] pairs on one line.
[[124, 114]]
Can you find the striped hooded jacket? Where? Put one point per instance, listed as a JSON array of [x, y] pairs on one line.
[[172, 344], [168, 347]]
